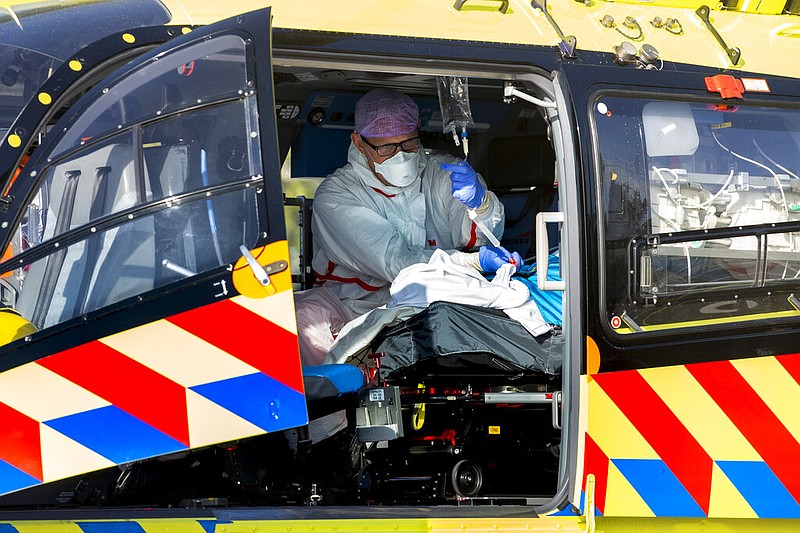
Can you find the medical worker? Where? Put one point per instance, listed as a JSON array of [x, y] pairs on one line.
[[390, 207]]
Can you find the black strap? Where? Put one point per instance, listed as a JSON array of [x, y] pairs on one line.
[[56, 260]]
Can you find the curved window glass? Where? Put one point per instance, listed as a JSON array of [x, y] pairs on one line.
[[193, 76], [138, 256], [30, 51], [700, 207], [170, 157]]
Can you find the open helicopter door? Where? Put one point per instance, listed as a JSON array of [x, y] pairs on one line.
[[147, 264]]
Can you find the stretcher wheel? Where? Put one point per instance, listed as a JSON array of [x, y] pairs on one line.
[[466, 478]]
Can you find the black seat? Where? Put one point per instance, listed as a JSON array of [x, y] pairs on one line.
[[521, 171]]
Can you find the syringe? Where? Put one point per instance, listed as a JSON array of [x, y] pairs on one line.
[[473, 215]]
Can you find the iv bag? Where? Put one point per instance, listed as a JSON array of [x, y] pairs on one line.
[[454, 102]]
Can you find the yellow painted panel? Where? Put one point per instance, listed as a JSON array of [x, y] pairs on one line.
[[171, 526], [696, 525], [621, 498], [612, 431], [426, 525], [25, 526], [700, 414], [244, 278], [583, 416], [776, 387], [767, 7], [725, 499]]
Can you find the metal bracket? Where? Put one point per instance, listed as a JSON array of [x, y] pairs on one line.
[[568, 43], [5, 202], [262, 273], [503, 5], [794, 301], [734, 54]]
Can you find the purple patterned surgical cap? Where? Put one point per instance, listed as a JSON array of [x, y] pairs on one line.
[[386, 113]]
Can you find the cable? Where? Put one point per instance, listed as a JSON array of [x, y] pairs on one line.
[[768, 158], [774, 175]]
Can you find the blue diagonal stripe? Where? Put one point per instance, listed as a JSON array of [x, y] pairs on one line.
[[111, 527], [116, 435], [658, 487], [12, 478], [768, 497], [259, 399], [210, 524], [8, 528]]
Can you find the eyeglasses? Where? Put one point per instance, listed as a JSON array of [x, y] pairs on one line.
[[389, 149]]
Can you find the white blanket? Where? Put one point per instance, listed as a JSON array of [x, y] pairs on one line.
[[440, 279]]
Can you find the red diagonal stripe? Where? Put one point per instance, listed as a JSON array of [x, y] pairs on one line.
[[247, 336], [792, 364], [129, 385], [759, 425], [20, 445], [595, 461], [659, 426]]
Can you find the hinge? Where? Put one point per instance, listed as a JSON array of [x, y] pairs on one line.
[[5, 202]]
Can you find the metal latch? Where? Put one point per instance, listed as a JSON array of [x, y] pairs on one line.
[[262, 273]]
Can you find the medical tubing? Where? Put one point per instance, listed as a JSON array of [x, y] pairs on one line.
[[473, 215], [768, 158], [212, 221], [720, 191], [756, 163]]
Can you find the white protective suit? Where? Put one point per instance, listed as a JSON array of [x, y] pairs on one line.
[[365, 232]]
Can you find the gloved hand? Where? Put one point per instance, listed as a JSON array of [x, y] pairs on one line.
[[467, 188], [492, 258]]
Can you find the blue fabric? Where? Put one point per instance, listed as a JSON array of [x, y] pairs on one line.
[[346, 378], [549, 302]]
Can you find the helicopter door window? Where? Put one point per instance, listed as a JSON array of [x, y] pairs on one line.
[[199, 202], [174, 191], [701, 202]]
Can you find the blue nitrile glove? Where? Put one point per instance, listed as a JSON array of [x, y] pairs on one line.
[[493, 257], [467, 188]]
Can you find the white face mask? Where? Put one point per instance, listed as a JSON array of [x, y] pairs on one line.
[[399, 170]]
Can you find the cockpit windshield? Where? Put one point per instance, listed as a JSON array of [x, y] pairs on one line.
[[700, 212], [35, 39]]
